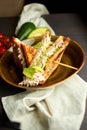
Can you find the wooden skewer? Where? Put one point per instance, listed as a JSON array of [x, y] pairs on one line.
[[69, 66]]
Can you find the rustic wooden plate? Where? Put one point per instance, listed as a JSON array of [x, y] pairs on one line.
[[73, 56]]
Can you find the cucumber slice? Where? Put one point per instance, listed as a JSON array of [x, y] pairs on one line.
[[25, 30]]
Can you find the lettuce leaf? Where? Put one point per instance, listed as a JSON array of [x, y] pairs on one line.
[[30, 71]]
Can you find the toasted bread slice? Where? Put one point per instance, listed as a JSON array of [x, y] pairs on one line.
[[54, 60], [23, 53], [17, 54], [28, 52]]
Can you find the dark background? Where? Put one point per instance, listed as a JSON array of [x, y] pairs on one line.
[[63, 6]]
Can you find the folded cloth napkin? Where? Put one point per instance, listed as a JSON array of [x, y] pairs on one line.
[[61, 107], [58, 108], [33, 13]]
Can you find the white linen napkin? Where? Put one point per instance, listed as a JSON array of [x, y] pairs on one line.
[[61, 107], [33, 12]]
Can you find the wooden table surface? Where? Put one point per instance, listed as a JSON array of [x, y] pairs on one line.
[[67, 24]]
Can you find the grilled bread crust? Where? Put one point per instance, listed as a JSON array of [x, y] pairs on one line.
[[23, 53], [16, 48], [28, 52]]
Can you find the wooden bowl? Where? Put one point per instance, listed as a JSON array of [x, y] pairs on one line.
[[73, 56]]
